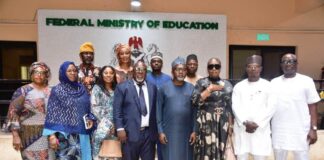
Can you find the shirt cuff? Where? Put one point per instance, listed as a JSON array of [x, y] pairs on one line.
[[120, 129]]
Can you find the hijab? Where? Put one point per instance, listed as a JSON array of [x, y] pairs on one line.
[[67, 104]]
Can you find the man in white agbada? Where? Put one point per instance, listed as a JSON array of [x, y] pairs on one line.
[[253, 107], [294, 124]]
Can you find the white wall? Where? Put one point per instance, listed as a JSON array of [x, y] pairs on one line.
[[59, 43]]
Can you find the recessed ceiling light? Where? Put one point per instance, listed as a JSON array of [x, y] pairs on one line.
[[135, 3]]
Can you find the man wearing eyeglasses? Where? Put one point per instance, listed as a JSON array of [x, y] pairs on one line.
[[134, 112], [294, 124], [176, 116], [252, 104]]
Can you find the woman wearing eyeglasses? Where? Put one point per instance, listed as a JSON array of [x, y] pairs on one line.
[[212, 96], [26, 114]]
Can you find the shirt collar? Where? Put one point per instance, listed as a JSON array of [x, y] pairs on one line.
[[135, 83]]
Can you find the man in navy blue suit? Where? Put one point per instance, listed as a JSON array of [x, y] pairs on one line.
[[135, 115]]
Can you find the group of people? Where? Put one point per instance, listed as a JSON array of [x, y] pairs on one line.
[[185, 115]]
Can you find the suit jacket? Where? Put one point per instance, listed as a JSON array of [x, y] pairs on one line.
[[127, 110]]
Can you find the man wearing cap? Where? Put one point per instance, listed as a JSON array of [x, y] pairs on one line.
[[294, 124], [253, 107], [192, 67], [176, 115], [87, 72], [157, 77]]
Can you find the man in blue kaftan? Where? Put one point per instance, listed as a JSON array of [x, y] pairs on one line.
[[176, 115]]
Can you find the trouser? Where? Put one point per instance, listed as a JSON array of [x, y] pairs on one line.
[[144, 148], [246, 157], [159, 150], [281, 154]]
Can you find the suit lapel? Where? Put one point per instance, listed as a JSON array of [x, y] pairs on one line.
[[135, 94]]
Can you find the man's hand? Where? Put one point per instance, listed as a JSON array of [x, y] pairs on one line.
[[163, 139], [192, 138], [122, 136], [312, 136], [250, 126]]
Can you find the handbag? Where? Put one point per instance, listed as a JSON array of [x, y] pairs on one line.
[[110, 149], [229, 150]]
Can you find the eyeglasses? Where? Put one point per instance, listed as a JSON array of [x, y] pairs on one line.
[[253, 66], [291, 61], [39, 72], [180, 69], [138, 69], [211, 66]]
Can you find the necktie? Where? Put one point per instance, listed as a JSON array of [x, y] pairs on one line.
[[142, 100]]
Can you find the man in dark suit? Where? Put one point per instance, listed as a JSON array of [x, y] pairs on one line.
[[135, 115]]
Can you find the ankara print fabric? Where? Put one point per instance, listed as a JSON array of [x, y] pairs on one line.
[[27, 115], [212, 120]]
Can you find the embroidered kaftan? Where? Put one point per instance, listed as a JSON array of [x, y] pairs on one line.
[[253, 101], [176, 119]]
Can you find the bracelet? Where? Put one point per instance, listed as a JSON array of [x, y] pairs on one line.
[[230, 126], [209, 91]]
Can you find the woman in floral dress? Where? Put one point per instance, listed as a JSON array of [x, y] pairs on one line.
[[212, 96], [26, 114], [101, 106]]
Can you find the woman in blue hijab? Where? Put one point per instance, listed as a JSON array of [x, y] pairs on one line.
[[68, 106]]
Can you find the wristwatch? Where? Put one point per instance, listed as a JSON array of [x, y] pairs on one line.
[[314, 128]]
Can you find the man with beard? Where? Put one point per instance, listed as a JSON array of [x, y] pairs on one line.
[[192, 67], [252, 104], [157, 77], [294, 124], [134, 112], [87, 72], [176, 115]]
